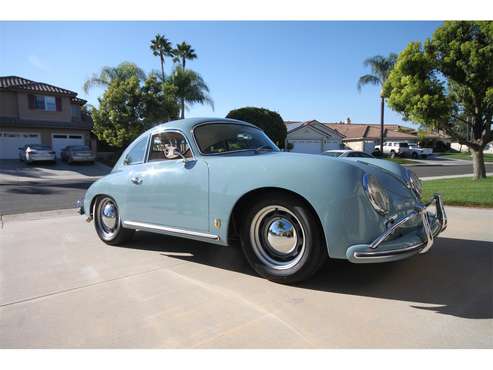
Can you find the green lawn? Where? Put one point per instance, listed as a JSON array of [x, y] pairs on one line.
[[461, 191], [488, 157]]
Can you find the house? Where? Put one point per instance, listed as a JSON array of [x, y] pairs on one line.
[[312, 137], [364, 137], [38, 113]]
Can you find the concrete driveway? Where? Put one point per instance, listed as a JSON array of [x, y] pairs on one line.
[[61, 287]]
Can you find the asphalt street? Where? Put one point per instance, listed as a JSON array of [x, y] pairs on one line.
[[33, 196], [428, 171]]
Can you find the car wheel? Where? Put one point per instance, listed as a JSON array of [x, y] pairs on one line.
[[108, 223], [414, 155], [281, 239]]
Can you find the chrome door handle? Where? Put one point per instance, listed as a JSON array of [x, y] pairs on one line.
[[136, 180]]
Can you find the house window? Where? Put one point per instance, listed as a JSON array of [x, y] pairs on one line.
[[75, 112], [39, 102], [50, 104], [45, 103]]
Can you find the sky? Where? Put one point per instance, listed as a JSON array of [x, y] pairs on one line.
[[302, 70]]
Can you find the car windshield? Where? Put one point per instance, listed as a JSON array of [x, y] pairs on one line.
[[39, 147], [332, 154], [79, 147], [218, 138]]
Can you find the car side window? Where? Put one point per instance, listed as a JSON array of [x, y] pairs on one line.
[[167, 146], [137, 153]]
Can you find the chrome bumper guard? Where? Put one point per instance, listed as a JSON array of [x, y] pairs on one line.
[[430, 231]]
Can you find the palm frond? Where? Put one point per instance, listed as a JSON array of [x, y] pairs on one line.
[[368, 80]]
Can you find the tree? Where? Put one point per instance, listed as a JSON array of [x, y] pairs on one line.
[[182, 53], [380, 69], [269, 121], [190, 88], [107, 75], [118, 121], [128, 108], [158, 105], [161, 47], [447, 84]]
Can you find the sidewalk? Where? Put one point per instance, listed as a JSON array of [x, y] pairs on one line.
[[428, 178]]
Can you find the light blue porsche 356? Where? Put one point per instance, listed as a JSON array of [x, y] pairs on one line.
[[222, 181]]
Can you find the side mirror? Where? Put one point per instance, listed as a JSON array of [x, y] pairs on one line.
[[126, 161]]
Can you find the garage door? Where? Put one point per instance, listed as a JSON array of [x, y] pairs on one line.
[[306, 146], [60, 141], [331, 145], [10, 142]]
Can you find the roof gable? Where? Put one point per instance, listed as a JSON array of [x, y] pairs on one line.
[[318, 127]]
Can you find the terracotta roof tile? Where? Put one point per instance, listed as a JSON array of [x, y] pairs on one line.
[[19, 83]]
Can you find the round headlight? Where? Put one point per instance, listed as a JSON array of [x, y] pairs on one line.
[[414, 183], [376, 194]]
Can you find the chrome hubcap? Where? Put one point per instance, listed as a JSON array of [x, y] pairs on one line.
[[281, 236], [277, 237], [107, 218], [108, 215]]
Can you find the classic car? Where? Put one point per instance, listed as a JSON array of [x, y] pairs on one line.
[[223, 181]]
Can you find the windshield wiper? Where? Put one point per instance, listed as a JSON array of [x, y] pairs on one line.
[[264, 147]]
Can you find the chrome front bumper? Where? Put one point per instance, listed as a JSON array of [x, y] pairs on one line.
[[383, 250]]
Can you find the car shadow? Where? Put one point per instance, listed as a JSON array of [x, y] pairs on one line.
[[455, 277]]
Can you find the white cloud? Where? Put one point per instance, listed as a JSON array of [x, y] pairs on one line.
[[36, 62]]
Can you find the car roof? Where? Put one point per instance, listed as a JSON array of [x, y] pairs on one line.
[[189, 123], [338, 151]]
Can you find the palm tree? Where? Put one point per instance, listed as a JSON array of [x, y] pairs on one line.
[[190, 88], [380, 69], [182, 53], [161, 47], [107, 75]]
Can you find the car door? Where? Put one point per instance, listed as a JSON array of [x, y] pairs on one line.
[[171, 189]]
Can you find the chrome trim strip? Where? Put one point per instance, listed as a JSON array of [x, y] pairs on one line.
[[387, 253], [143, 225], [428, 233], [392, 230], [423, 246]]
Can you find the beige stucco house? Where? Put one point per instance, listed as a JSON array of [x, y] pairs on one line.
[[316, 137], [312, 137], [38, 113]]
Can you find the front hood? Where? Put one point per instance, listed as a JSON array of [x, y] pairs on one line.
[[395, 168]]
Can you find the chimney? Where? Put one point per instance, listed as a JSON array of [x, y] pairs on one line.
[[348, 121]]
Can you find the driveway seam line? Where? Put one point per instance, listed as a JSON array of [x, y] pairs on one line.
[[82, 287]]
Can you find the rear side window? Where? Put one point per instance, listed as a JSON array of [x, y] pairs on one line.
[[137, 153]]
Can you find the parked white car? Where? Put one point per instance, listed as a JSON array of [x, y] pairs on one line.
[[416, 151], [347, 153], [36, 152], [394, 148], [404, 149]]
